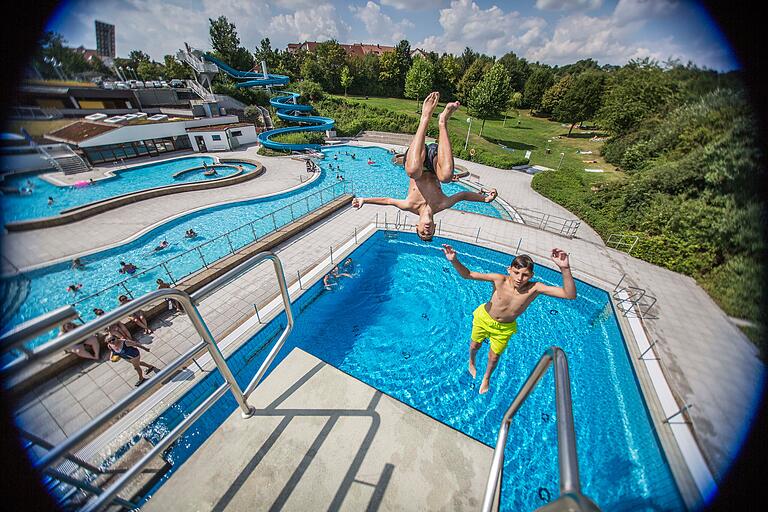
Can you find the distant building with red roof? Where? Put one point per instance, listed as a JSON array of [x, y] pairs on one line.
[[353, 50]]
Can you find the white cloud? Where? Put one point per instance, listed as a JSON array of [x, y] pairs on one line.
[[563, 5], [412, 5], [628, 11], [489, 30], [381, 28], [319, 24]]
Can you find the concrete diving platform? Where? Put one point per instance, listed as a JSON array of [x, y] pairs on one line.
[[323, 440]]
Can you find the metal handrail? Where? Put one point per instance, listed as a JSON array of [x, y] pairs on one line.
[[571, 497], [35, 327], [189, 305]]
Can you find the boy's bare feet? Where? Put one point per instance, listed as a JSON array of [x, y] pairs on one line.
[[484, 387], [430, 102], [472, 369], [450, 108], [492, 194]]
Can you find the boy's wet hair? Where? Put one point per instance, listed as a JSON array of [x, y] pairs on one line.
[[522, 261]]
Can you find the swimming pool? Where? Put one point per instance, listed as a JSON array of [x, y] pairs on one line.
[[48, 285], [35, 203], [413, 346]]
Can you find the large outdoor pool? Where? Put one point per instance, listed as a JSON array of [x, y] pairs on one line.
[[34, 203], [401, 324], [46, 288]]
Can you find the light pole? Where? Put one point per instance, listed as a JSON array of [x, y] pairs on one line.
[[469, 120], [561, 161]]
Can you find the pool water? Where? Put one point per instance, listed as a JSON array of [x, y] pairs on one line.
[[401, 324], [35, 204], [48, 285]]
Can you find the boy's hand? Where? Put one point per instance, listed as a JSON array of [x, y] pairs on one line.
[[357, 202], [450, 254], [492, 194], [560, 257]]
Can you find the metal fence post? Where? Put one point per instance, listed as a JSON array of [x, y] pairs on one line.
[[331, 254], [290, 205], [274, 222], [122, 283], [199, 252], [231, 247], [355, 235], [169, 274], [439, 225], [478, 235], [298, 273], [307, 198], [257, 313], [377, 219], [253, 230]]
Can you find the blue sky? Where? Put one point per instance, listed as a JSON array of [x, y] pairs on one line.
[[554, 32]]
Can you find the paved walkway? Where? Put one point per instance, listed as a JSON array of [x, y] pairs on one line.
[[711, 364]]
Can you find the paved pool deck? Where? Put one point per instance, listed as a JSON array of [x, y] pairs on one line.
[[323, 440], [711, 364]]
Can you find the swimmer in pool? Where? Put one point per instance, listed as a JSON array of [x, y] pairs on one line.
[[496, 320], [427, 168]]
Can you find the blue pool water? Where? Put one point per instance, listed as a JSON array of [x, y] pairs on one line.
[[34, 205], [402, 324], [48, 286]]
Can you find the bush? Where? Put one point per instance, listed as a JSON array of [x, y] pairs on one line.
[[300, 138], [310, 91], [352, 117]]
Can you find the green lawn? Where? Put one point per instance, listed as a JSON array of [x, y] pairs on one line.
[[532, 133]]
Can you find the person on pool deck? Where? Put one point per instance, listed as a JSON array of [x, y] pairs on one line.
[[81, 349], [118, 328], [496, 320], [427, 168], [173, 304], [137, 316], [126, 349]]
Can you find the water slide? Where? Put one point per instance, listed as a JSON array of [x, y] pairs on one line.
[[285, 105]]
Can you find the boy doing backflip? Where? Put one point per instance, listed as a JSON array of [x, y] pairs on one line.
[[427, 167], [496, 320]]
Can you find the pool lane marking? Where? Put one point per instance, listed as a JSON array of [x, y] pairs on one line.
[[690, 450], [246, 329]]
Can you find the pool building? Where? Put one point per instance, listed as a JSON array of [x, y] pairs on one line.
[[277, 391]]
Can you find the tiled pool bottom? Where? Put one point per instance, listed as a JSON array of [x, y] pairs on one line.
[[413, 347]]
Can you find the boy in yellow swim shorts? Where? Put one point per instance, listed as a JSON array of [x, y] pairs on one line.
[[496, 320]]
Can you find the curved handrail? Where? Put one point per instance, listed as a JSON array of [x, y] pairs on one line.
[[571, 497]]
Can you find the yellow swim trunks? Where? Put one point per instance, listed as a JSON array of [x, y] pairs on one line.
[[483, 326]]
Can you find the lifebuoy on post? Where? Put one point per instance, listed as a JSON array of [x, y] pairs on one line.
[[472, 152]]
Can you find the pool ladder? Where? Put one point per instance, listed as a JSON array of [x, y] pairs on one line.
[[58, 457], [571, 498]]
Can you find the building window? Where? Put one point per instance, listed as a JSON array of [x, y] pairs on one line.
[[237, 133], [215, 137]]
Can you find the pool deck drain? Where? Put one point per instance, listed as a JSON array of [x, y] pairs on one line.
[[321, 439]]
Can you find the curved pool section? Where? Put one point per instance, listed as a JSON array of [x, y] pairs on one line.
[[34, 203], [48, 285]]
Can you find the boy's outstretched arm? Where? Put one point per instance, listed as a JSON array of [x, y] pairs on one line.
[[358, 202], [477, 197], [568, 290], [463, 271]]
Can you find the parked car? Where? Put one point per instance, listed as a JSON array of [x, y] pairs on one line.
[[149, 84], [156, 83], [177, 83], [122, 85], [108, 85], [163, 83]]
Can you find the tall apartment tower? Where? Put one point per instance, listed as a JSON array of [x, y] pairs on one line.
[[105, 39]]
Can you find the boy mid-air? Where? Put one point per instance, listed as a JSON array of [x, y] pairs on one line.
[[496, 320], [427, 167]]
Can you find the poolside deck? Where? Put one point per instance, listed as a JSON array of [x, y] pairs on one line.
[[322, 440]]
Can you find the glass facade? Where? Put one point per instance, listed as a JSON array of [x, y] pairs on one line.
[[126, 150]]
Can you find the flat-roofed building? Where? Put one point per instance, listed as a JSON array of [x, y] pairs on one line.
[[105, 39]]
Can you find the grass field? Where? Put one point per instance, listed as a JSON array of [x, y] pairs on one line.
[[521, 132]]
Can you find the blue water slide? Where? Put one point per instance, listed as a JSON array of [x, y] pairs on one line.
[[285, 107]]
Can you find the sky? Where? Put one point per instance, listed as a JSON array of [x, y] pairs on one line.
[[554, 32]]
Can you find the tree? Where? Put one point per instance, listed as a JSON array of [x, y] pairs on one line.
[[311, 70], [150, 70], [581, 99], [518, 70], [447, 76], [331, 58], [554, 94], [404, 62], [226, 44], [418, 82], [388, 73], [469, 80], [491, 95], [515, 101], [346, 79], [536, 85], [176, 69], [265, 53]]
